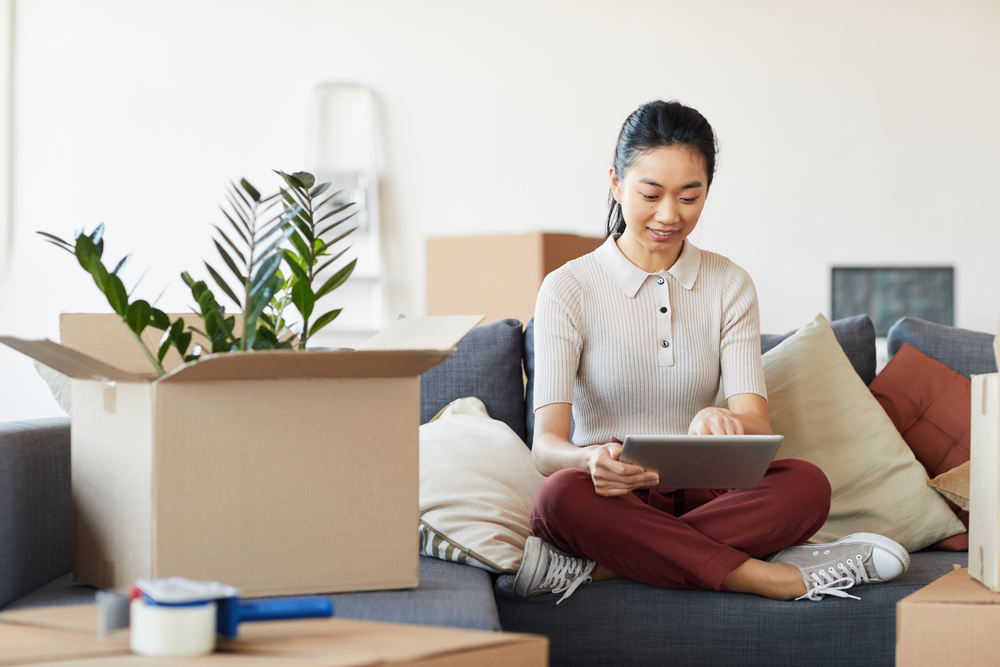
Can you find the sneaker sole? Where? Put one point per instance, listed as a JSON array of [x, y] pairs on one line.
[[532, 550], [879, 541]]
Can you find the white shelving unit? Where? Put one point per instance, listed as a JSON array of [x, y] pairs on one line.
[[343, 147]]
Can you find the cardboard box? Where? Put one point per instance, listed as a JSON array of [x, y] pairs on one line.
[[277, 472], [984, 481], [496, 275], [67, 636], [953, 621]]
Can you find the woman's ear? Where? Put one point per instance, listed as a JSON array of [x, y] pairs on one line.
[[616, 190]]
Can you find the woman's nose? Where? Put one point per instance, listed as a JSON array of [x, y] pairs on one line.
[[667, 212]]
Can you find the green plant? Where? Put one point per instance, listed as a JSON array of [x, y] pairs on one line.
[[310, 254], [253, 258], [137, 315]]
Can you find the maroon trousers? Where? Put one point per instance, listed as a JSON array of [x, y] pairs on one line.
[[689, 538]]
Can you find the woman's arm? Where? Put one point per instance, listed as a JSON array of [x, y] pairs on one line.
[[552, 451], [747, 414]]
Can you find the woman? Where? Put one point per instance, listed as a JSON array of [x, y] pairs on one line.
[[635, 338]]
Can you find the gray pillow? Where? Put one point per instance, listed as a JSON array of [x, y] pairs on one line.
[[856, 336], [487, 365], [963, 351]]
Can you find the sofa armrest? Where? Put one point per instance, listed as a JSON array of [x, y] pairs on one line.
[[35, 505]]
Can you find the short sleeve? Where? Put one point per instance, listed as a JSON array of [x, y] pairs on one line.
[[740, 357], [558, 339]]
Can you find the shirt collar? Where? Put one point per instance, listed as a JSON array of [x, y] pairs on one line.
[[629, 277]]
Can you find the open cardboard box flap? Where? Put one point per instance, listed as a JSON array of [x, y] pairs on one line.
[[407, 347], [956, 587]]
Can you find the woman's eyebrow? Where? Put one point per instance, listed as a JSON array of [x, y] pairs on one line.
[[686, 186]]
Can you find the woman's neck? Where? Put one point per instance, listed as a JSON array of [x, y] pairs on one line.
[[648, 261]]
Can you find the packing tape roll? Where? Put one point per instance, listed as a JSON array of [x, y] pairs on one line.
[[161, 631]]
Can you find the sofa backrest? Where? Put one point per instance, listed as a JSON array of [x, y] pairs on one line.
[[963, 351], [486, 364]]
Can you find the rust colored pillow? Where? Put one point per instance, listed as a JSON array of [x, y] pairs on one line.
[[929, 405]]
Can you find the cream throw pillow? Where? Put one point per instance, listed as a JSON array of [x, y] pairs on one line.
[[477, 486], [830, 418]]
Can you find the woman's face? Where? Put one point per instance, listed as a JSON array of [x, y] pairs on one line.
[[661, 195]]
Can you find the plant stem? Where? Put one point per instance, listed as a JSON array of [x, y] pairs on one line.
[[312, 266], [249, 278], [149, 355]]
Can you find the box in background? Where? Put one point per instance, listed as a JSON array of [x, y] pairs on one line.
[[952, 621], [67, 636], [984, 481], [496, 275], [279, 473]]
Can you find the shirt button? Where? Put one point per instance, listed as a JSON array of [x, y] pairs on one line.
[[665, 343], [660, 280], [663, 310]]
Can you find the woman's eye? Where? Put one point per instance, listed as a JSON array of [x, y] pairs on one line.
[[690, 200], [649, 197]]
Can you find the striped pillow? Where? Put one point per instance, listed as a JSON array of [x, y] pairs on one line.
[[477, 486]]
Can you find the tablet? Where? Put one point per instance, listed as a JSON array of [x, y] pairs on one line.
[[703, 461]]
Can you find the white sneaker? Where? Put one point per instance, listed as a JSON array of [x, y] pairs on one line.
[[859, 558], [545, 569]]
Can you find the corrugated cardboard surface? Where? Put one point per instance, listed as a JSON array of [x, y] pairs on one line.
[[324, 503], [953, 621], [66, 636], [984, 482], [496, 275], [111, 449], [276, 472]]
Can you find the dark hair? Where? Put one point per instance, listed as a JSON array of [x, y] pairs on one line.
[[658, 125]]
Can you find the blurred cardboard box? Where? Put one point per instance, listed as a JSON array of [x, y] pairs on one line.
[[984, 482], [67, 636], [496, 275], [277, 472], [952, 621]]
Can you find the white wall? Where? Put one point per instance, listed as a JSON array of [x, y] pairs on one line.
[[852, 133]]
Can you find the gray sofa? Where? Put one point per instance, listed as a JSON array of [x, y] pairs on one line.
[[608, 623]]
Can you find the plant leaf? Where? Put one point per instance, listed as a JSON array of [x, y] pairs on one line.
[[331, 226], [229, 262], [319, 189], [68, 249], [90, 259], [114, 290], [270, 250], [265, 273], [307, 179], [250, 190], [56, 239], [332, 259], [137, 316], [231, 244], [303, 248], [294, 265], [337, 279], [160, 320], [323, 320], [303, 298], [222, 285], [121, 264], [335, 211], [290, 179]]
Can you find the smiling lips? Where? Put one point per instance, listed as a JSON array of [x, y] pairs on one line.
[[665, 235]]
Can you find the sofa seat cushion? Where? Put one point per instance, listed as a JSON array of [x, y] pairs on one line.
[[626, 623], [486, 364], [449, 594]]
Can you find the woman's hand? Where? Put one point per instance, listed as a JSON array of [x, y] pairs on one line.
[[715, 421], [613, 477]]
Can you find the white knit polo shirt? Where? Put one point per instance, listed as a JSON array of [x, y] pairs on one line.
[[642, 353]]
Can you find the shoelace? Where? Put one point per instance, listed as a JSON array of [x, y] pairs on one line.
[[566, 573], [835, 582]]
